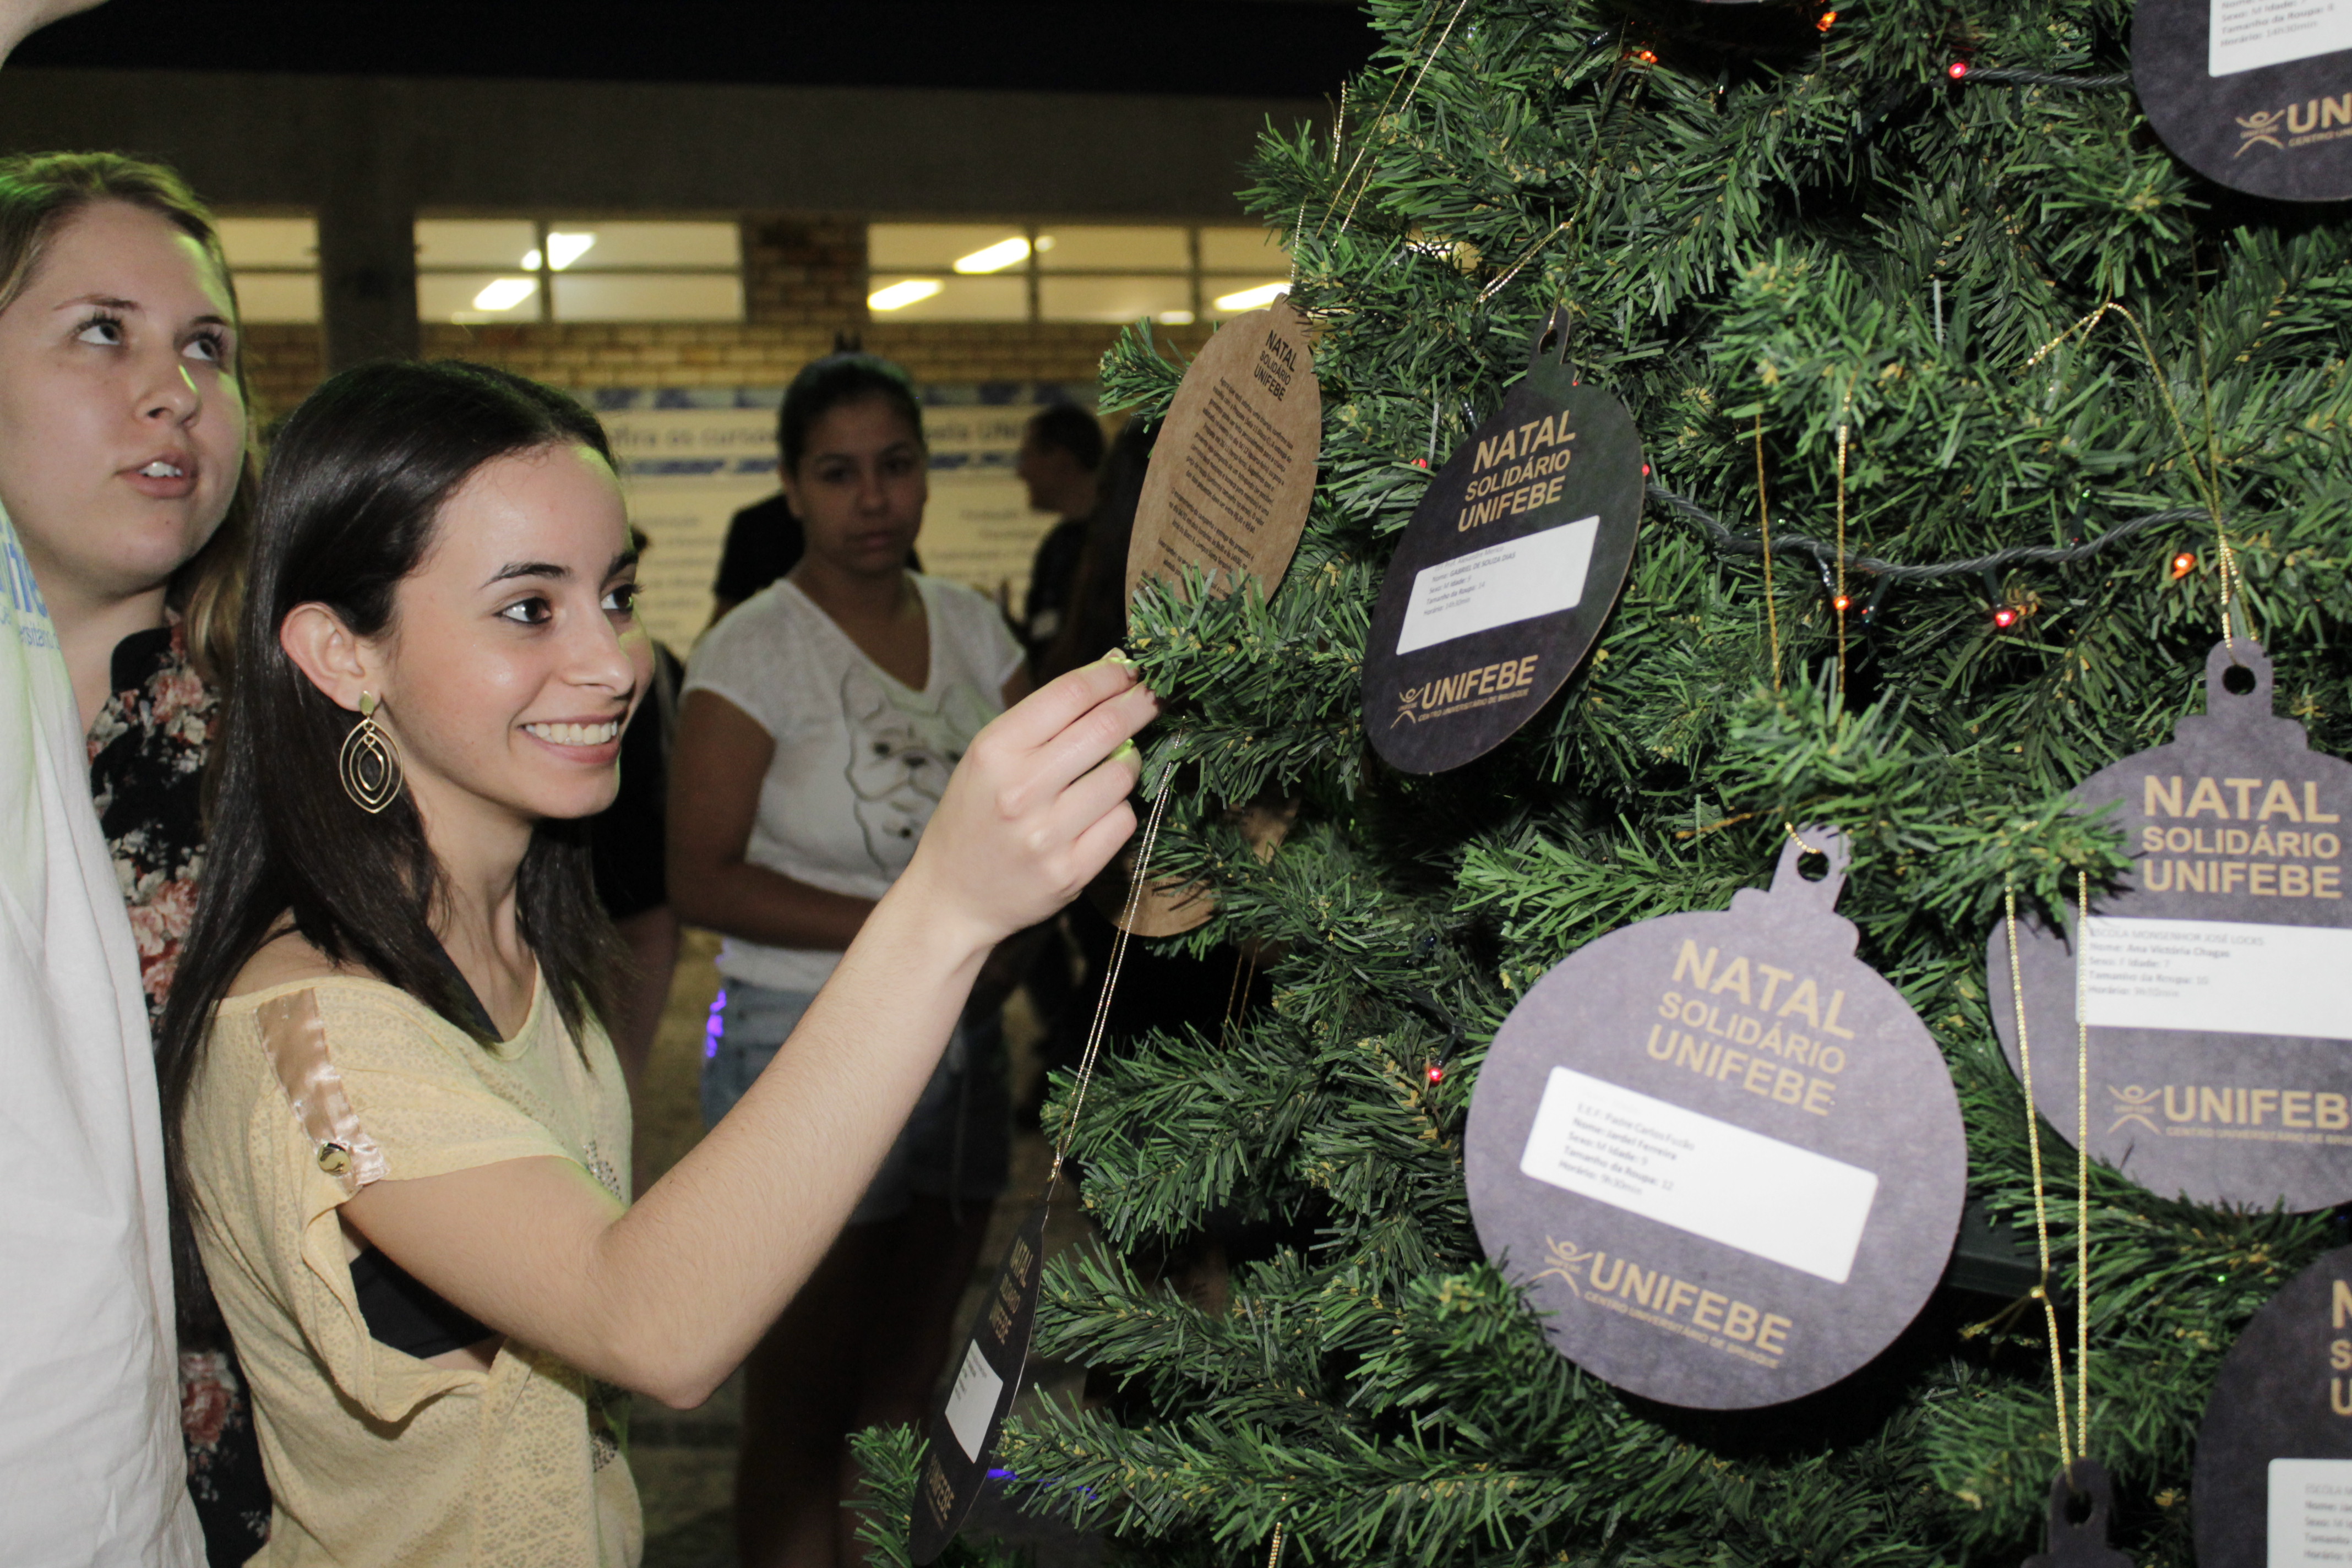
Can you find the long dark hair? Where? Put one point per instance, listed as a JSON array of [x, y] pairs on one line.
[[350, 500]]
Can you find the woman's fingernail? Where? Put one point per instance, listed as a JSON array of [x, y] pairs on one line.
[[1120, 657], [1127, 753]]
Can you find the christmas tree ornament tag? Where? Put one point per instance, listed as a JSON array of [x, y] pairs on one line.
[[2274, 1477], [2082, 1544], [1166, 907], [1720, 1150], [2254, 95], [1233, 468], [2216, 982], [1510, 566], [967, 1418]]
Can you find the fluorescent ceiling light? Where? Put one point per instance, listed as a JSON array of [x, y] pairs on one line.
[[899, 296], [505, 293], [563, 249], [1251, 298], [995, 257], [1176, 318], [531, 259]]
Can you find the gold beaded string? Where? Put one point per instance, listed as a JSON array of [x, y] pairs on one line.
[[2208, 482], [1839, 602], [1764, 517], [1111, 977], [2074, 1445]]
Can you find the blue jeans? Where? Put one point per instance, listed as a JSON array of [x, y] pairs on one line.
[[956, 1142]]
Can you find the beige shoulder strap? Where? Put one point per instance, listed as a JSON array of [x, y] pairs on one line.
[[296, 1039]]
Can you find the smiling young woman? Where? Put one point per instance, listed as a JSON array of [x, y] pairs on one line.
[[398, 1117], [125, 465]]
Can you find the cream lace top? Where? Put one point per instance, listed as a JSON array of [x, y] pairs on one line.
[[309, 1092]]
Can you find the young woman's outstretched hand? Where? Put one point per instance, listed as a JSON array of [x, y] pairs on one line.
[[1037, 807], [667, 1297]]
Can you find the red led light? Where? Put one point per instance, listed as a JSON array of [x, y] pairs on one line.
[[1842, 603], [1829, 20], [2004, 617], [1420, 462], [1957, 69], [2183, 565], [1436, 1073]]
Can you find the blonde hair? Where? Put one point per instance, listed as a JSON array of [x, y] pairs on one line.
[[38, 193]]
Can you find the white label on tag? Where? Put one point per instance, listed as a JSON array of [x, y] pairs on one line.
[[1514, 581], [1690, 1170], [973, 1401], [2310, 1513], [2245, 34], [2222, 977]]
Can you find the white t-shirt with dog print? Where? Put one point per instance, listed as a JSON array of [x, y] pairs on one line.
[[861, 758]]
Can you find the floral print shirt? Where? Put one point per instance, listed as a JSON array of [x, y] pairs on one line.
[[147, 753]]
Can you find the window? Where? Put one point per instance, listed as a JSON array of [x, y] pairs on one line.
[[1173, 273], [577, 270], [274, 262]]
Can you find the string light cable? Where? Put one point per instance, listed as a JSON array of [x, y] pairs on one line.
[[1967, 75], [1825, 554]]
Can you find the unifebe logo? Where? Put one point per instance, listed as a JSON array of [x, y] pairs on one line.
[[1504, 680], [2313, 121]]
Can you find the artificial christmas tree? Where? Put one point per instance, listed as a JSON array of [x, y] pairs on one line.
[[2025, 404]]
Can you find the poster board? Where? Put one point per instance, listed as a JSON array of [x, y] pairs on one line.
[[692, 457]]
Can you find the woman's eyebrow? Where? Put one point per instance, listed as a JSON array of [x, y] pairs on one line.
[[514, 569], [621, 562]]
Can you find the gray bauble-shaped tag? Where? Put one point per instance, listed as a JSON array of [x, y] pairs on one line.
[[2274, 1477], [1507, 571], [2255, 95], [2218, 987], [1721, 1151], [965, 1422]]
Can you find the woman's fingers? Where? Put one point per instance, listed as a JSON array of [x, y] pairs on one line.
[[1061, 759], [1062, 701], [1098, 796]]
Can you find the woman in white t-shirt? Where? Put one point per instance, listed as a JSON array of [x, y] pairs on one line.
[[821, 719]]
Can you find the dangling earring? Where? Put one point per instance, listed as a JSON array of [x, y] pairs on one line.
[[369, 767]]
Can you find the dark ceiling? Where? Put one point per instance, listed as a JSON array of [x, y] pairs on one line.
[[1257, 49]]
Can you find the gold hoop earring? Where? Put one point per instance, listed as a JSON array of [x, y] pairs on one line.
[[367, 765]]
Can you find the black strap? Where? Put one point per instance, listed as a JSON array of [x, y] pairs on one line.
[[405, 1313], [401, 1310]]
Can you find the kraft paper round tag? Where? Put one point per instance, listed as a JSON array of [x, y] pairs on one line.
[[1503, 576], [1169, 907], [961, 1433], [1721, 1151], [2255, 95], [2218, 980], [2274, 1477], [1234, 468]]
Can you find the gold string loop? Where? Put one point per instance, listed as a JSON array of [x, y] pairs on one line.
[[2208, 478]]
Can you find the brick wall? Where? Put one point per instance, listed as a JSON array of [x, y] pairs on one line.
[[803, 283]]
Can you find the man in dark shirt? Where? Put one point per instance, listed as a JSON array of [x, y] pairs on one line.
[[1060, 452], [763, 542]]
